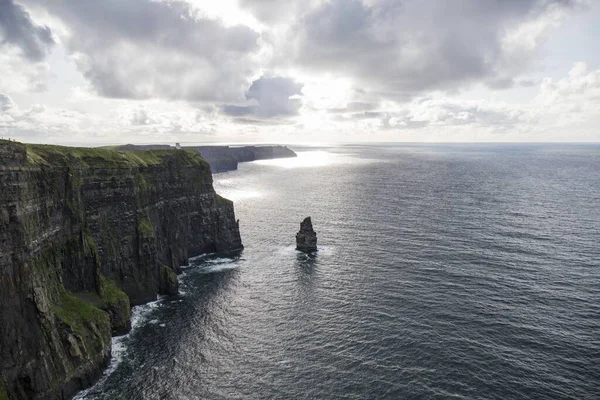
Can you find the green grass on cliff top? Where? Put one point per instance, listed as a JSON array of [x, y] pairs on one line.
[[41, 154]]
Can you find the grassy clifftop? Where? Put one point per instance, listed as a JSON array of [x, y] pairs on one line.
[[49, 155]]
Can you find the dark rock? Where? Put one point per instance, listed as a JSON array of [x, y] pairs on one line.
[[169, 283], [84, 234], [12, 153], [306, 238]]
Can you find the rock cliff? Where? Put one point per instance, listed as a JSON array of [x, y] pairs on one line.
[[84, 234], [226, 158]]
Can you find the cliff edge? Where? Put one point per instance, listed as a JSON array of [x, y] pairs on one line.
[[84, 234], [226, 158]]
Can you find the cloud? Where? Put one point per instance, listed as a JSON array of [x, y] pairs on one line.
[[239, 111], [271, 97], [23, 48], [572, 103], [333, 69], [155, 121], [6, 103], [401, 49], [443, 112], [18, 75], [39, 120], [580, 89], [275, 11], [141, 116], [355, 106], [142, 49], [17, 29]]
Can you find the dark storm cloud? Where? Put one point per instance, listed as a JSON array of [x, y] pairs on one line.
[[17, 28], [274, 97], [402, 48], [145, 49]]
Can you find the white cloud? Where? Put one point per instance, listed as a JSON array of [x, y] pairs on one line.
[[19, 75], [141, 49], [580, 90], [403, 49], [236, 70]]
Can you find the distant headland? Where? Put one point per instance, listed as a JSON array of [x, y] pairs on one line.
[[224, 158]]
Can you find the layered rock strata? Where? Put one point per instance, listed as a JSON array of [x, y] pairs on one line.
[[85, 234]]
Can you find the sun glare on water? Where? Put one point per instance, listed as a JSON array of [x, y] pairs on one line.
[[231, 189], [305, 159]]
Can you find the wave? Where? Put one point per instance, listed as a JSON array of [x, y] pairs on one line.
[[119, 344]]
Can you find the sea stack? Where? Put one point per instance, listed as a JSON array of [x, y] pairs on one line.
[[306, 238]]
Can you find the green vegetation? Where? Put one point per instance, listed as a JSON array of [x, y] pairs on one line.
[[145, 227], [116, 303], [78, 314], [40, 154], [110, 293], [141, 183], [90, 247]]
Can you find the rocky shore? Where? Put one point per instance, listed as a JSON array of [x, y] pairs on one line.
[[84, 235]]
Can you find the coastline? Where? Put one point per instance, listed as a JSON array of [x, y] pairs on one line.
[[92, 232]]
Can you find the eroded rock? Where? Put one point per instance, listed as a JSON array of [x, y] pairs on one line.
[[306, 238]]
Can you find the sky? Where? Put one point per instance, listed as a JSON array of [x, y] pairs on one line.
[[299, 71]]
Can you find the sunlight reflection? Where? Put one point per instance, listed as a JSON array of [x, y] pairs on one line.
[[305, 159], [239, 194], [232, 190]]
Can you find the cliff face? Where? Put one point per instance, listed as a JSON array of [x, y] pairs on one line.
[[84, 233], [219, 157], [226, 158], [253, 153]]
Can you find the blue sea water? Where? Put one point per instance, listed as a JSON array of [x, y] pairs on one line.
[[444, 272]]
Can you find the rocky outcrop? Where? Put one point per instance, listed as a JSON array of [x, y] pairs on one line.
[[226, 158], [84, 234], [306, 238]]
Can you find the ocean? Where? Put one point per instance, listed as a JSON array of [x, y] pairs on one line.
[[443, 272]]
